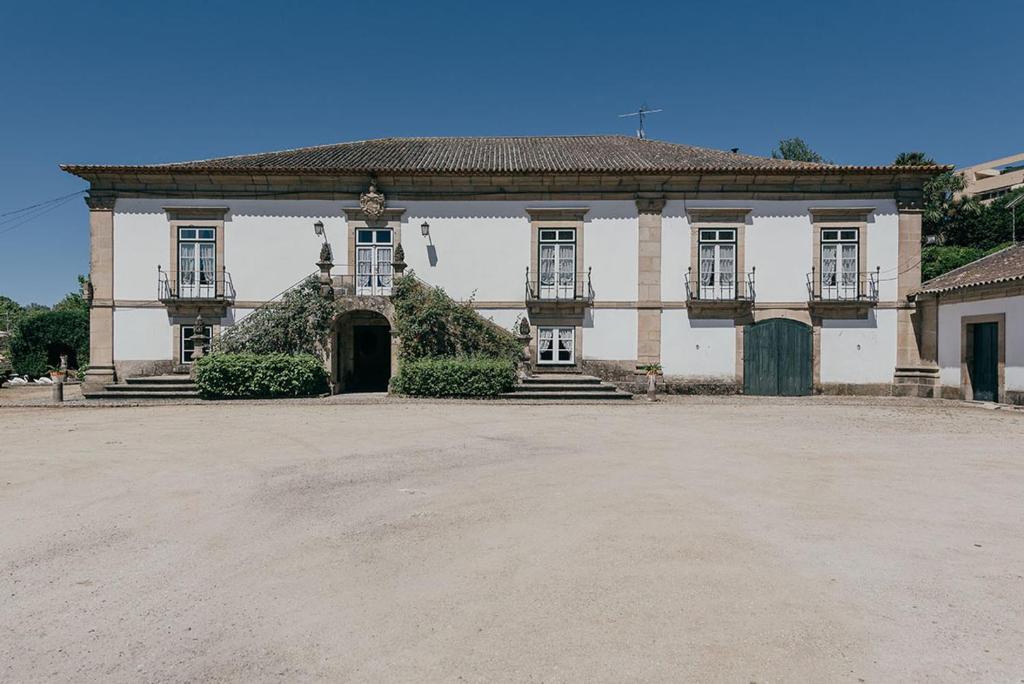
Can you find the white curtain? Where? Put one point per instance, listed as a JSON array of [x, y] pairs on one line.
[[206, 263], [384, 267], [707, 265], [849, 266], [726, 265], [364, 267], [828, 265], [547, 265], [565, 342], [545, 342]]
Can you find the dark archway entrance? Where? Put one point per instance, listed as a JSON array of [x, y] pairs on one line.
[[777, 358], [362, 352]]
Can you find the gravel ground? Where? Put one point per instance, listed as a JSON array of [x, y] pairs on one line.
[[725, 539]]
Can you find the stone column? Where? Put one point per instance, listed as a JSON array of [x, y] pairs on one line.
[[917, 372], [648, 343], [101, 309]]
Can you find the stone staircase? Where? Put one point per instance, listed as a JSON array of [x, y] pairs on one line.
[[176, 386], [566, 387]]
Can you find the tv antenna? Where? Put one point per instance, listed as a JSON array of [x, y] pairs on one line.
[[642, 112]]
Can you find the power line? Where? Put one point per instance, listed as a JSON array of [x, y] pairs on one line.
[[36, 214], [41, 204]]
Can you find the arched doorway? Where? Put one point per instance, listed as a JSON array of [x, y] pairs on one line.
[[777, 358], [362, 352]]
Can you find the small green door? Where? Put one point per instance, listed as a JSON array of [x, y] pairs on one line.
[[985, 362], [777, 358]]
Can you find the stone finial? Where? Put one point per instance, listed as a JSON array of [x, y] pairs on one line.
[[325, 265], [325, 252], [199, 339], [399, 263], [524, 326]]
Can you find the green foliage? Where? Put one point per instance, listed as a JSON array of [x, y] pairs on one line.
[[74, 301], [432, 324], [939, 259], [41, 337], [10, 313], [455, 377], [299, 323], [796, 149], [249, 376], [969, 223], [913, 159]]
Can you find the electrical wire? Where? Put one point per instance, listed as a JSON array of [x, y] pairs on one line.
[[41, 204], [23, 219]]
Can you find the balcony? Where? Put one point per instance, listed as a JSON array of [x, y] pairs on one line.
[[724, 296], [365, 285], [559, 292], [843, 295], [187, 293]]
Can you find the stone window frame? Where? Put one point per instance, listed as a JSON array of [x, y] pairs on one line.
[[837, 218], [215, 331], [199, 217], [546, 218], [707, 218], [967, 352], [357, 219]]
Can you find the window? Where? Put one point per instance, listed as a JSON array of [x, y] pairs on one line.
[[555, 345], [717, 263], [197, 262], [187, 347], [374, 261], [840, 263], [557, 263]]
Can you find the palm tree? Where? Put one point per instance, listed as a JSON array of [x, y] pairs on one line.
[[913, 159]]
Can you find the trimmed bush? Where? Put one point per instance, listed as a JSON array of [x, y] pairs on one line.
[[455, 377], [251, 376], [41, 337]]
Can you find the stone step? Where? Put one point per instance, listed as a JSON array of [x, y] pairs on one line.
[[173, 379], [561, 378], [615, 395], [150, 394], [593, 387], [154, 387]]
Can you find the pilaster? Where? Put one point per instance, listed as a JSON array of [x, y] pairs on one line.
[[917, 371], [649, 280], [101, 310]]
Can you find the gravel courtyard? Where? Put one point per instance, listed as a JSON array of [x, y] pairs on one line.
[[734, 540]]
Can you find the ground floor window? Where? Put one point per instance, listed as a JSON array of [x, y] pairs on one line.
[[187, 347], [555, 345]]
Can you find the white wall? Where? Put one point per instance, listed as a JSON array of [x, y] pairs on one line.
[[610, 335], [859, 351], [697, 348], [779, 243], [142, 335], [949, 338]]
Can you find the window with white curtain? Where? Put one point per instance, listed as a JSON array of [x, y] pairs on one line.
[[374, 261], [197, 262], [555, 345], [840, 263], [188, 346], [716, 264], [557, 263]]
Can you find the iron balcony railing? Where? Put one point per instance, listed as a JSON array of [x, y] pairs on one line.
[[178, 285], [720, 287], [365, 285], [842, 287], [559, 286]]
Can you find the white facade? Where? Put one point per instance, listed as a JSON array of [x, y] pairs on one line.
[[481, 249], [1008, 312]]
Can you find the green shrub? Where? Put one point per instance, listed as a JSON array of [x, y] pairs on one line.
[[41, 337], [248, 376], [433, 325], [455, 377], [939, 259], [299, 323]]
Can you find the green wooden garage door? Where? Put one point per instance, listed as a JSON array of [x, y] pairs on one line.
[[777, 358]]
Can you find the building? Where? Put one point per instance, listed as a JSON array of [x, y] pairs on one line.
[[975, 328], [993, 179], [734, 272]]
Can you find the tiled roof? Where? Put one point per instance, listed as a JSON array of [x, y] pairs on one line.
[[1005, 265], [497, 155]]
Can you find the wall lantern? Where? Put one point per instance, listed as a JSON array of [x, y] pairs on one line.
[[425, 229], [318, 228]]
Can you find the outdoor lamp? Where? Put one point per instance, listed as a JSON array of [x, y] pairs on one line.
[[425, 229], [318, 228]]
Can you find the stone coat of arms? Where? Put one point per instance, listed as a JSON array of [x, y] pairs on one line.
[[372, 202]]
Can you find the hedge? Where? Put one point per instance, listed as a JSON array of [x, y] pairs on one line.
[[455, 377], [41, 337], [251, 376]]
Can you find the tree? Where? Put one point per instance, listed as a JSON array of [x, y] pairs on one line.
[[795, 149], [10, 312], [74, 301], [913, 159]]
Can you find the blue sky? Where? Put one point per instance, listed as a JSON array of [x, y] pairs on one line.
[[143, 82]]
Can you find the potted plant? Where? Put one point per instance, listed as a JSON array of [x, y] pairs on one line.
[[652, 370], [56, 373]]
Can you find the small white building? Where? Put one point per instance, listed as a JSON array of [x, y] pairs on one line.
[[977, 328], [734, 272]]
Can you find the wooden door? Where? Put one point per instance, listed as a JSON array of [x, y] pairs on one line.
[[985, 362], [777, 358]]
